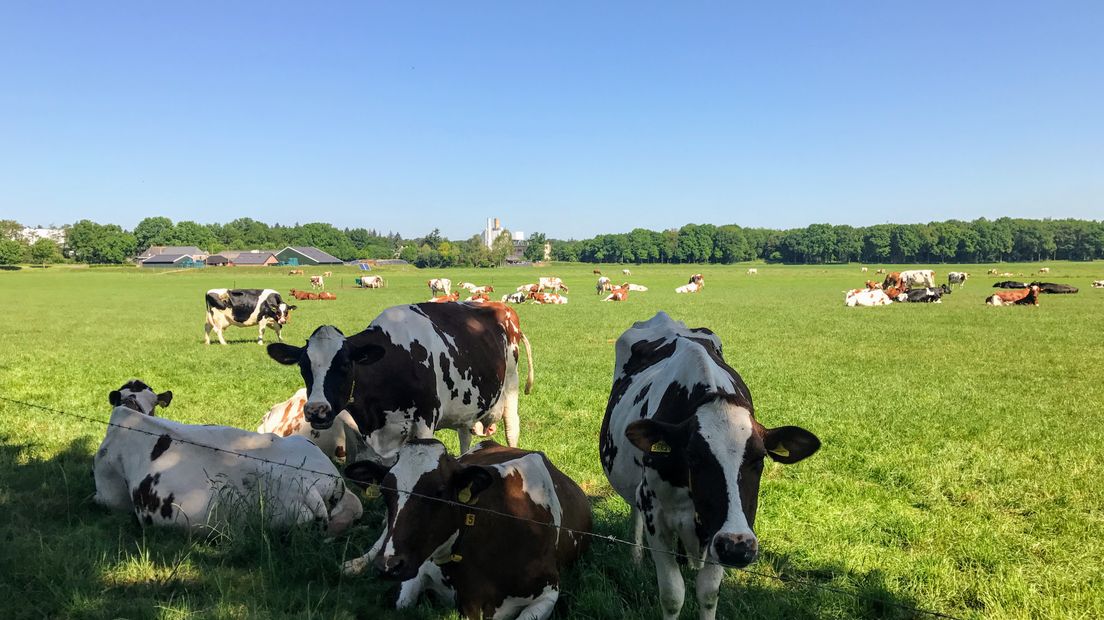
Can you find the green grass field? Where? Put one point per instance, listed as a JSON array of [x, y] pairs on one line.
[[960, 470]]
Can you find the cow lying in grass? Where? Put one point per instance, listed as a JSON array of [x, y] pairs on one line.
[[489, 566], [205, 477], [341, 442], [1022, 297], [866, 297]]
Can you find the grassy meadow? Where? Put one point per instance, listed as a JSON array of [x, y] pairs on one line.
[[960, 469]]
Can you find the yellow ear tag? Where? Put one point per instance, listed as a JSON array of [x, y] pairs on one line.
[[469, 519], [456, 557], [465, 495], [780, 450], [371, 492], [661, 447]]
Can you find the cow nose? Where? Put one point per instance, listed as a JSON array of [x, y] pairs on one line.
[[736, 550], [391, 567], [319, 415], [130, 402]]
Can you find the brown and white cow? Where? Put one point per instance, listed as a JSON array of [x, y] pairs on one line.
[[371, 282], [603, 285], [917, 278], [620, 293], [1022, 296], [488, 565], [551, 299], [439, 285], [414, 370], [295, 272], [697, 278], [680, 443], [693, 287], [203, 477], [893, 279], [341, 442], [552, 283], [443, 299], [327, 296], [317, 282]]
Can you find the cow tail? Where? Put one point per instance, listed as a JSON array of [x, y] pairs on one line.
[[529, 363]]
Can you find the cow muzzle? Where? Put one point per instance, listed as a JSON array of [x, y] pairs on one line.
[[735, 550], [396, 567], [320, 415]]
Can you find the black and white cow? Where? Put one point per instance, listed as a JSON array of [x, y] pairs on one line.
[[680, 443], [1010, 284], [958, 277], [245, 307], [489, 565], [202, 477], [1055, 289], [924, 295], [416, 369]]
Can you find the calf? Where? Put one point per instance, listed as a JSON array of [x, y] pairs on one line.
[[327, 274], [203, 477], [501, 558], [245, 308], [863, 269], [341, 442], [1044, 270], [680, 443], [317, 282], [597, 272], [414, 370], [1027, 296], [626, 272], [880, 272], [295, 272], [439, 285], [867, 297], [693, 287], [958, 277]]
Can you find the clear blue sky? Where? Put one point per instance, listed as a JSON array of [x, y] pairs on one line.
[[568, 118]]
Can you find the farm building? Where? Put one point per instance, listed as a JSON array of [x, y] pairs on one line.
[[243, 258], [175, 261], [178, 250], [306, 256]]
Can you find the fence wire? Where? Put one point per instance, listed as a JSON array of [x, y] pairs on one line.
[[607, 538]]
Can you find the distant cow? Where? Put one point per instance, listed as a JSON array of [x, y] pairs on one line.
[[626, 272], [1044, 270], [958, 277], [439, 285], [317, 282], [680, 444], [603, 285], [486, 563], [868, 297], [620, 293], [327, 296], [597, 272], [640, 288], [863, 269], [552, 283], [1010, 284], [303, 295], [548, 298], [925, 295], [295, 272], [918, 277], [1055, 289], [1098, 284], [692, 287], [327, 273], [752, 271], [245, 308], [341, 442], [442, 299], [991, 272], [893, 279], [880, 272], [371, 282], [1026, 296], [203, 477], [697, 278], [515, 298]]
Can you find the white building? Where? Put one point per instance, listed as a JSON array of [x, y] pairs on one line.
[[34, 234], [492, 231]]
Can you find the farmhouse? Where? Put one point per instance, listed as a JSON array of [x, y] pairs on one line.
[[179, 250], [243, 258], [305, 255]]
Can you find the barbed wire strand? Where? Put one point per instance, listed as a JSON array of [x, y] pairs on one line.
[[609, 538]]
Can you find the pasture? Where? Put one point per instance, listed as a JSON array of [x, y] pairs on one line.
[[960, 468]]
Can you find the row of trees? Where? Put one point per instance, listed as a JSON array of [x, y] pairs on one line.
[[980, 240]]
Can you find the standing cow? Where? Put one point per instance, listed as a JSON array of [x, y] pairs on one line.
[[958, 277], [503, 557], [416, 369], [439, 285], [245, 307], [918, 278], [680, 443]]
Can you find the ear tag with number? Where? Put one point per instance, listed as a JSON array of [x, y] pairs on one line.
[[660, 447], [371, 492], [780, 450], [464, 495]]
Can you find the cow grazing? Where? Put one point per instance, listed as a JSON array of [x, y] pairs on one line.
[[692, 287], [620, 293], [867, 297], [552, 283], [443, 299], [637, 288], [1044, 270], [680, 443], [371, 282], [341, 442], [1022, 297], [192, 477], [603, 285], [863, 269], [317, 282], [1010, 284], [1098, 284], [893, 279], [918, 278], [414, 370], [925, 295], [439, 285], [245, 308], [991, 272], [327, 296], [958, 277], [515, 298], [1055, 289], [626, 272], [752, 271], [597, 272], [488, 564]]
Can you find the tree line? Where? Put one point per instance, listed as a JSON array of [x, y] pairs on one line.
[[977, 241]]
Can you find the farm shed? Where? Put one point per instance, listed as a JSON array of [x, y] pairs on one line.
[[174, 261], [305, 256]]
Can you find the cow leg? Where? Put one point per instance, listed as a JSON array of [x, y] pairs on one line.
[[638, 535], [510, 406], [207, 333], [707, 587], [465, 439], [260, 331], [672, 590], [542, 607]]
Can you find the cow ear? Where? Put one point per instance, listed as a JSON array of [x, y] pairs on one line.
[[366, 473], [368, 354], [652, 437], [290, 308], [790, 444], [114, 397], [470, 481], [285, 353], [164, 398]]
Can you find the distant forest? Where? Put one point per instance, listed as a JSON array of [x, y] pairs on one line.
[[952, 241]]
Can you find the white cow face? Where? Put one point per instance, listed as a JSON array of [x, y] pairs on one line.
[[136, 395]]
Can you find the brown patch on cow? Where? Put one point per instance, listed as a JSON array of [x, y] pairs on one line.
[[162, 444], [339, 452]]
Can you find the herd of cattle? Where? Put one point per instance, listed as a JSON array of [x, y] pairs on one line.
[[491, 529], [918, 286]]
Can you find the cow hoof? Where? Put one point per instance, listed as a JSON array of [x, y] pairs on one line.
[[355, 567]]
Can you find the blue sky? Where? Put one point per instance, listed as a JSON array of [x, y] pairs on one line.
[[568, 118]]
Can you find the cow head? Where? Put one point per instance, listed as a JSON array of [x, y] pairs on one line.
[[420, 526], [136, 395], [717, 454], [283, 313], [327, 365]]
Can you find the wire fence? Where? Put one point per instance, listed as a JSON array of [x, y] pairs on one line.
[[605, 538]]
